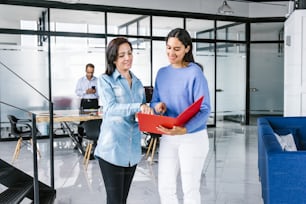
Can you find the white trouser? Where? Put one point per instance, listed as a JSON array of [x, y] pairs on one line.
[[187, 153]]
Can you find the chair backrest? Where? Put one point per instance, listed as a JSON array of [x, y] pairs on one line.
[[149, 92], [16, 128], [92, 129], [13, 121], [62, 103]]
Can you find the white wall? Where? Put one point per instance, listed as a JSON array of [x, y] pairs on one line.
[[295, 65]]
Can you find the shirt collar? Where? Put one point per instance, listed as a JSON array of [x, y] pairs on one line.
[[117, 75], [92, 79]]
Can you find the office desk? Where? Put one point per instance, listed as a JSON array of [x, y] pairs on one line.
[[67, 118]]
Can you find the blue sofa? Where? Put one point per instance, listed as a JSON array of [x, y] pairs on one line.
[[282, 173]]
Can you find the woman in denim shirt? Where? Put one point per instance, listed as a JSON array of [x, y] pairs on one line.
[[122, 95]]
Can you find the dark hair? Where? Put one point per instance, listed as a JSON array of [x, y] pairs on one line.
[[112, 53], [89, 65], [185, 38]]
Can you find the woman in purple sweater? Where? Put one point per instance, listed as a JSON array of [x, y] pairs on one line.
[[183, 149]]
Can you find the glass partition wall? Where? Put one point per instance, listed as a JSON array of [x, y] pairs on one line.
[[231, 71], [71, 51], [79, 35], [204, 52], [266, 70], [24, 75], [23, 65]]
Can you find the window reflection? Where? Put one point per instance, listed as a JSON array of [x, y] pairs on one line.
[[163, 25], [69, 57], [128, 24], [267, 31], [70, 21], [231, 82], [27, 17], [199, 28], [230, 30], [72, 53], [206, 57]]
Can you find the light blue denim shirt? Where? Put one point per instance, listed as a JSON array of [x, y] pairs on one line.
[[119, 139]]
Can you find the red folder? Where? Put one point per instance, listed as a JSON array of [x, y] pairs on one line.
[[148, 123]]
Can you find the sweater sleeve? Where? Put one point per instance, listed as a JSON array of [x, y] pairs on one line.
[[200, 88]]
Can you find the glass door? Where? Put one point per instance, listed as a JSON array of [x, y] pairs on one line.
[[266, 70], [231, 72]]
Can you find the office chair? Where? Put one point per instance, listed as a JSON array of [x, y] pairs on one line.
[[148, 92], [92, 131], [61, 103], [20, 128]]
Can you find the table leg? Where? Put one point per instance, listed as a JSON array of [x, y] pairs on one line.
[[74, 138]]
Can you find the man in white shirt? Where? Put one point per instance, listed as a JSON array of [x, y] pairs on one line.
[[86, 89]]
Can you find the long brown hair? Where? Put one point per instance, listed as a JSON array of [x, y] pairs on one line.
[[112, 53], [185, 38]]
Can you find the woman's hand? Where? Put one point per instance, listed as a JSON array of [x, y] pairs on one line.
[[144, 108], [160, 108], [176, 130]]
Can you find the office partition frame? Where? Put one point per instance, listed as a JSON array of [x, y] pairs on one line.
[[150, 13]]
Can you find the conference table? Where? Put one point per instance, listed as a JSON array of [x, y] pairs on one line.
[[68, 118]]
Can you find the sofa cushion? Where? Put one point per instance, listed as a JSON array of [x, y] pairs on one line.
[[286, 142], [294, 132]]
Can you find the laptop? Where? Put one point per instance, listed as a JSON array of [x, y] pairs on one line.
[[148, 123]]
